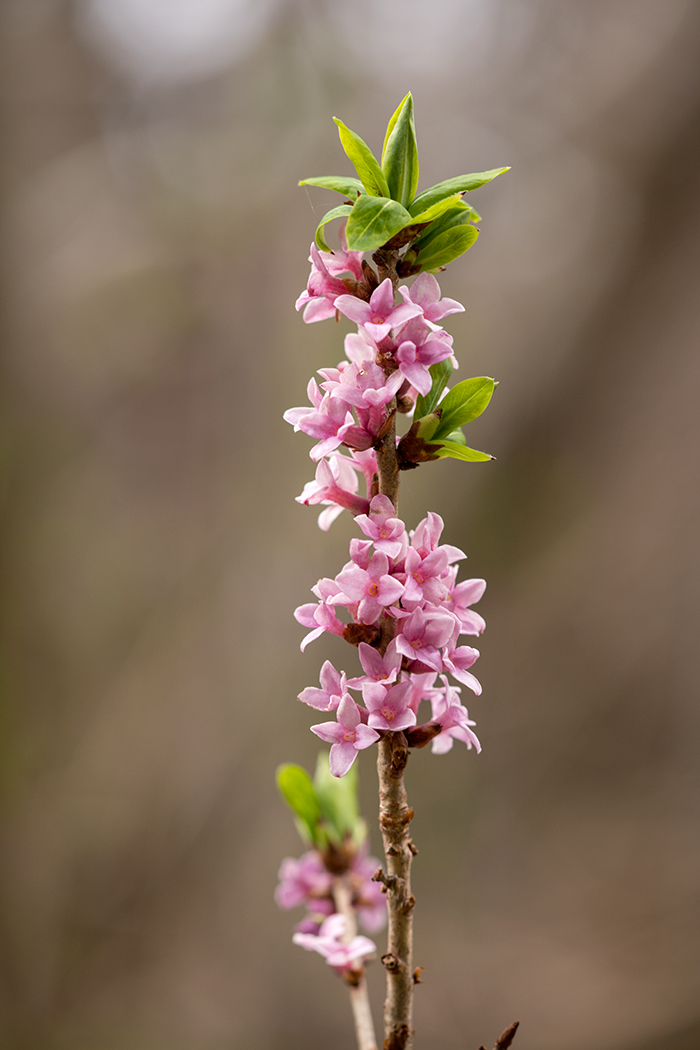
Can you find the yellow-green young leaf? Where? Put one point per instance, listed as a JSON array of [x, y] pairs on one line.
[[373, 222], [337, 797], [462, 404], [457, 436], [430, 214], [440, 373], [341, 212], [392, 123], [347, 186], [460, 184], [447, 247], [299, 793], [365, 162], [400, 156], [454, 215], [453, 450], [427, 425]]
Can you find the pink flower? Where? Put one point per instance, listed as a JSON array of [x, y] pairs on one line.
[[344, 261], [360, 347], [382, 526], [418, 348], [336, 484], [329, 944], [426, 535], [457, 662], [377, 668], [360, 552], [316, 309], [379, 315], [311, 923], [319, 617], [423, 582], [372, 587], [414, 362], [461, 596], [425, 292], [366, 462], [302, 880], [293, 415], [363, 384], [347, 736], [333, 685], [388, 706], [329, 424], [454, 721], [421, 688], [322, 289], [423, 634]]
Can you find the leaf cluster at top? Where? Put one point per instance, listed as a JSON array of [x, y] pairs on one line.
[[383, 201]]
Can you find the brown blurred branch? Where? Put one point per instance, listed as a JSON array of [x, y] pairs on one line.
[[505, 1038], [357, 985]]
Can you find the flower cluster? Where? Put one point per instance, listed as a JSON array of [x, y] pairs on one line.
[[406, 585], [404, 608], [309, 881], [388, 357]]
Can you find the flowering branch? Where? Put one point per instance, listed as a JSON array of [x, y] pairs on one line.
[[397, 600], [333, 881]]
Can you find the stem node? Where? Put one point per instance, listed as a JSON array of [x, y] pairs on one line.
[[398, 1037], [391, 963]]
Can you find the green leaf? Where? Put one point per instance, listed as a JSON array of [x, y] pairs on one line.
[[430, 214], [455, 215], [299, 793], [337, 797], [400, 156], [454, 450], [340, 212], [457, 436], [392, 123], [460, 184], [462, 404], [427, 425], [441, 373], [373, 222], [365, 162], [347, 186], [447, 247]]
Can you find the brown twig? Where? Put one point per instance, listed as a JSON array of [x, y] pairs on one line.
[[394, 820], [387, 461], [505, 1038]]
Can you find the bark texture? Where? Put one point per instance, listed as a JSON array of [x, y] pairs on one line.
[[394, 819]]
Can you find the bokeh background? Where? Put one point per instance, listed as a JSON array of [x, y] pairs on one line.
[[152, 244]]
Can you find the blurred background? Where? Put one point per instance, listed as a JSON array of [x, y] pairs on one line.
[[152, 244]]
